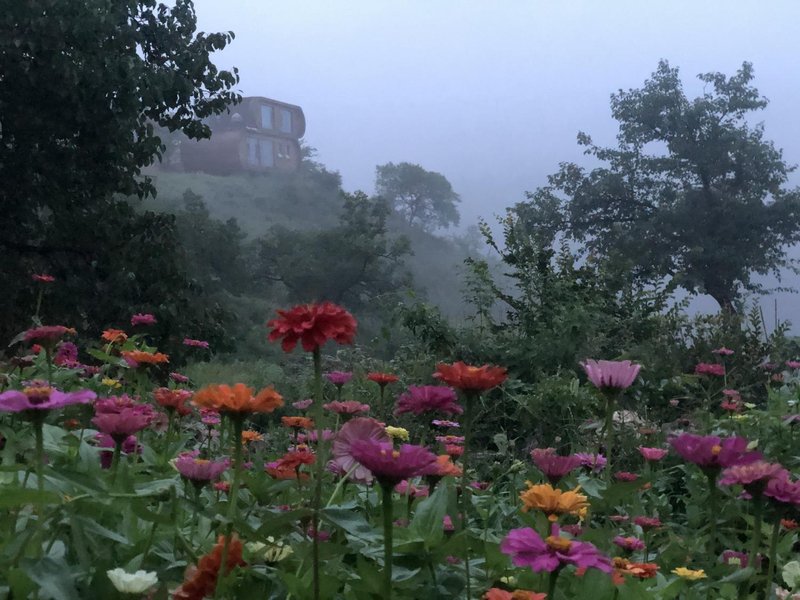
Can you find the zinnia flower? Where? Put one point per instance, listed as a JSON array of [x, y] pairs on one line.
[[121, 416], [689, 574], [470, 379], [312, 325], [39, 396], [733, 558], [625, 476], [420, 399], [173, 400], [43, 278], [303, 404], [360, 428], [132, 583], [647, 523], [114, 336], [781, 489], [297, 422], [752, 476], [653, 454], [528, 549], [611, 374], [711, 452], [339, 378], [722, 351], [593, 462], [195, 343], [553, 466], [397, 433], [47, 334], [499, 594], [629, 544], [348, 407], [238, 399], [66, 355], [134, 358], [202, 580], [554, 502], [200, 471], [709, 369], [391, 465], [445, 424], [382, 379], [249, 436], [178, 378], [793, 364], [129, 446], [143, 319]]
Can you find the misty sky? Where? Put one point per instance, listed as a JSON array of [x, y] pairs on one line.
[[492, 93]]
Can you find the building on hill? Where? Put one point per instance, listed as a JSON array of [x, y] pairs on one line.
[[257, 135]]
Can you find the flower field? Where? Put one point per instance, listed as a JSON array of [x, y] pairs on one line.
[[121, 479]]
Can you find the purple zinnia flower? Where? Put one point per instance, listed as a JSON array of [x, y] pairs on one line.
[[611, 374], [311, 436], [553, 466], [209, 417], [710, 452], [390, 465], [528, 549], [339, 378], [143, 319], [195, 343], [38, 395], [360, 428], [625, 476], [594, 462], [420, 399]]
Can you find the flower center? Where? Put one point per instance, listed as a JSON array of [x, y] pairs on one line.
[[38, 394], [558, 544], [716, 449]]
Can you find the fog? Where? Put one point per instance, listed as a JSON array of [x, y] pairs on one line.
[[492, 94]]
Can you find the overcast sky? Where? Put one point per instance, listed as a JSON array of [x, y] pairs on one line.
[[492, 93]]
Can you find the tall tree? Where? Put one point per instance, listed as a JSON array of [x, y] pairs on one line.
[[83, 86], [423, 198], [692, 191]]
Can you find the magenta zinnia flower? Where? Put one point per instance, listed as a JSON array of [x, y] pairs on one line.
[[339, 378], [647, 523], [527, 549], [445, 424], [709, 369], [710, 452], [736, 559], [348, 407], [412, 491], [594, 462], [629, 544], [420, 399], [67, 355], [143, 319], [625, 476], [723, 351], [653, 454], [129, 446], [793, 364], [390, 465], [121, 416], [47, 334], [195, 343], [178, 378], [360, 428], [611, 374], [753, 476], [781, 489], [553, 466], [200, 471], [38, 395]]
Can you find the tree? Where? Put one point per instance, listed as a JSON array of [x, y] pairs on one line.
[[692, 191], [83, 87], [422, 197]]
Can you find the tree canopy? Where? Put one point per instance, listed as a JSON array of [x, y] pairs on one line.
[[692, 191], [423, 198]]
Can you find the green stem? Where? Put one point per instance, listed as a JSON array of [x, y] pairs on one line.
[[387, 541], [711, 549], [551, 586], [38, 425], [469, 409], [115, 461], [609, 431], [320, 466], [758, 516], [238, 422], [773, 551], [170, 424]]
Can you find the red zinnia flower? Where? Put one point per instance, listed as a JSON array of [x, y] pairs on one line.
[[468, 378], [43, 278], [173, 400], [382, 379], [47, 334], [312, 325], [201, 581], [113, 336], [297, 422]]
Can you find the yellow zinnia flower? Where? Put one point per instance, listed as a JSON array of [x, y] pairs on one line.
[[112, 383], [397, 433], [691, 575], [553, 502]]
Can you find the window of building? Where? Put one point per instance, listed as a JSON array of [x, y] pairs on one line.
[[252, 151], [286, 121], [267, 152], [266, 116]]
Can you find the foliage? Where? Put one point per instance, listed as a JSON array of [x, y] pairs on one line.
[[423, 198], [692, 191]]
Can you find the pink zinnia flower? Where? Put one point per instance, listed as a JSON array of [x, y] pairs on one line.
[[43, 278], [209, 417], [178, 378], [129, 446], [752, 476], [782, 489], [349, 407], [553, 466], [447, 523], [360, 428], [625, 476], [195, 343], [629, 544], [454, 450], [39, 396], [594, 462], [66, 355], [653, 454], [47, 334], [339, 378], [450, 439], [413, 491], [793, 364], [733, 406], [311, 436], [710, 452], [611, 374], [647, 523], [121, 416], [420, 399], [733, 558], [303, 404], [200, 471], [143, 319], [445, 424], [722, 351], [390, 465], [528, 549], [619, 518], [709, 369]]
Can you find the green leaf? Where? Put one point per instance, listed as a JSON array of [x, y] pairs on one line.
[[13, 497], [427, 521], [54, 578]]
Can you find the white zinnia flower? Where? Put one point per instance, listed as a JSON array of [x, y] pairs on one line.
[[132, 583]]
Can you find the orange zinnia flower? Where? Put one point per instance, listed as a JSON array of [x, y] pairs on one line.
[[238, 399], [113, 336], [623, 566], [298, 422], [140, 357], [468, 378], [445, 466], [251, 436], [382, 379], [554, 502], [498, 594], [201, 581], [173, 400]]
